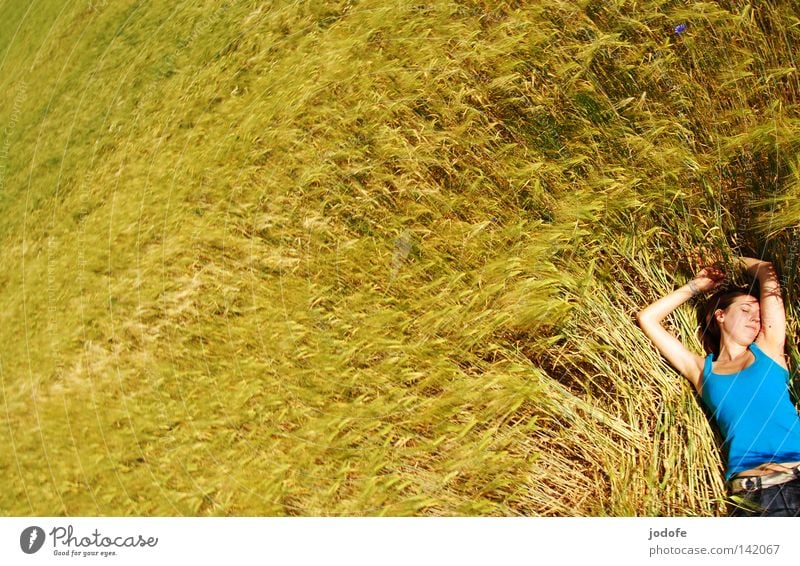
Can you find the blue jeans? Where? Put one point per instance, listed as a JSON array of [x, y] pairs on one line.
[[775, 501]]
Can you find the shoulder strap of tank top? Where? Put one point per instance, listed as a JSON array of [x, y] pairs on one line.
[[707, 366], [759, 354]]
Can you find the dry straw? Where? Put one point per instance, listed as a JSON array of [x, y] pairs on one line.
[[377, 258]]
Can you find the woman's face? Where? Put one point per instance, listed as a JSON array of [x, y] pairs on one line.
[[741, 320]]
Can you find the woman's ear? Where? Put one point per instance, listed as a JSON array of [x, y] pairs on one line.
[[719, 314]]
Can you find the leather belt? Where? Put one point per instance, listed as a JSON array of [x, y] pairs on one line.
[[749, 484]]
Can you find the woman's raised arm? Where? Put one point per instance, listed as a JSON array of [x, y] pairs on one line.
[[687, 363], [773, 314]]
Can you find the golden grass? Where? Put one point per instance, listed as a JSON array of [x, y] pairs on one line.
[[375, 258]]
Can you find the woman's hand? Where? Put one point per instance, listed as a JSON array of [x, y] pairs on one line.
[[707, 279]]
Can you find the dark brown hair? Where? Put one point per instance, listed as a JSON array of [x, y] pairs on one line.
[[708, 327]]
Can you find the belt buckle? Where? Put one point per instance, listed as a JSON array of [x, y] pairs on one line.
[[751, 484]]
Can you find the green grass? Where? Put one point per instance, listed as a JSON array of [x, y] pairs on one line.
[[375, 258]]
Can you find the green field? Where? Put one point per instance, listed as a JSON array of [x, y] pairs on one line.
[[376, 257]]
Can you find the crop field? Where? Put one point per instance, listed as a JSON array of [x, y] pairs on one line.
[[377, 257]]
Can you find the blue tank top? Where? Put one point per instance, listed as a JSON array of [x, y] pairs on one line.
[[754, 412]]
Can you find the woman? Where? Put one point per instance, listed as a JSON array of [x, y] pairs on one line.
[[744, 382]]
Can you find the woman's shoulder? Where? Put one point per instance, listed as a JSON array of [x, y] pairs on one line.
[[703, 371], [762, 348]]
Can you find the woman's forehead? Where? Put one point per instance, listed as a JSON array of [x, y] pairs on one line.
[[750, 299]]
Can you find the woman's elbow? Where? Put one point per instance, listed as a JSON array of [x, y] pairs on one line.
[[647, 319]]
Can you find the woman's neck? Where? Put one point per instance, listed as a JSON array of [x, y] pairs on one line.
[[730, 351]]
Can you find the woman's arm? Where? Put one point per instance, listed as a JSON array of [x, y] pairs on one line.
[[773, 315], [688, 364]]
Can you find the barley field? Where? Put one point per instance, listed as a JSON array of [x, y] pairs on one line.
[[376, 257]]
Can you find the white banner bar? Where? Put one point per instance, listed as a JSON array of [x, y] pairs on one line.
[[396, 541]]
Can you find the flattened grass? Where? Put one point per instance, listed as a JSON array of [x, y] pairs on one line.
[[372, 258]]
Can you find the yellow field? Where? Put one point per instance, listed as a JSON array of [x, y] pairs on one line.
[[375, 257]]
